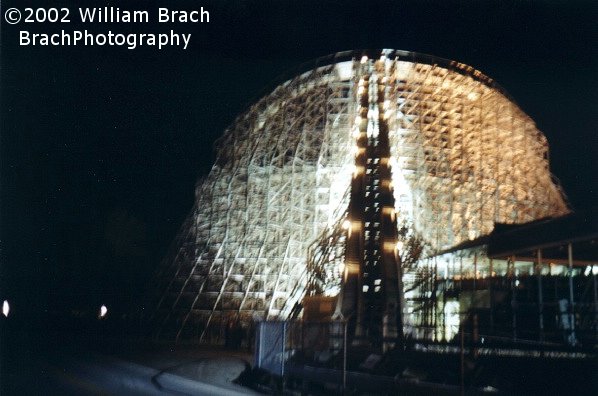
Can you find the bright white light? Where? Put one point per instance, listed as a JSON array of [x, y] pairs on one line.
[[365, 288], [103, 311], [357, 170], [346, 224], [400, 246], [333, 291], [587, 271], [5, 308], [372, 130], [364, 59], [452, 318], [472, 96], [444, 265], [471, 234], [344, 70]]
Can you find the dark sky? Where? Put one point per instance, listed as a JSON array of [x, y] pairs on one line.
[[101, 146]]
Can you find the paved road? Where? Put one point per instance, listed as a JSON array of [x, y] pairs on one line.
[[151, 370], [100, 375]]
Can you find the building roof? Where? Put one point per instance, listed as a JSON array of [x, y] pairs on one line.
[[551, 235]]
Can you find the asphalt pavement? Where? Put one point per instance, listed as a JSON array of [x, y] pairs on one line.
[[121, 367]]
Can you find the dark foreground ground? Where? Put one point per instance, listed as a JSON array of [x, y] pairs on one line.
[[49, 360], [428, 371], [45, 361]]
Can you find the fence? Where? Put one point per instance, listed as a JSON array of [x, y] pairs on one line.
[[278, 341]]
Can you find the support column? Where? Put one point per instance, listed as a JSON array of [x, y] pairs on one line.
[[475, 270], [491, 288], [514, 297], [595, 305], [572, 339], [540, 295]]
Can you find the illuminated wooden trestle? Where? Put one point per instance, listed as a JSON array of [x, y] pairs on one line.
[[317, 177]]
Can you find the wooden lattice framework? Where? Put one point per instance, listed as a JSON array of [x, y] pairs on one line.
[[463, 156]]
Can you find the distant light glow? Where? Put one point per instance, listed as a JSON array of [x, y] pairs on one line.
[[400, 246], [471, 234], [364, 59], [5, 308], [332, 292], [373, 112], [473, 96], [345, 70], [452, 310], [346, 224], [103, 311], [357, 170]]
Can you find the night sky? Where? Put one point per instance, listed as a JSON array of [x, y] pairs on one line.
[[101, 146]]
